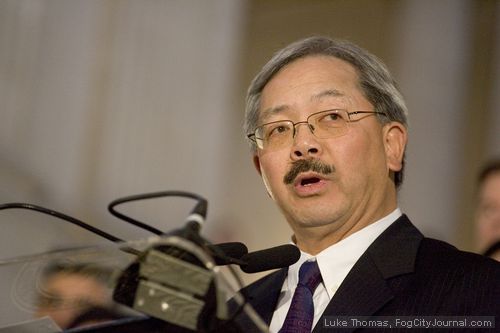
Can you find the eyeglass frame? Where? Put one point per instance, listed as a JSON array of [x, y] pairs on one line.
[[253, 136]]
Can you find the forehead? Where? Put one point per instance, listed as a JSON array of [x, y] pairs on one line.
[[312, 80]]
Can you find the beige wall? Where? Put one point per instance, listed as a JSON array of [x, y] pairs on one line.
[[102, 99]]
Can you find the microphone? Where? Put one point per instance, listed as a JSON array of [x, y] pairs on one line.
[[192, 225], [273, 258], [196, 218], [173, 275], [227, 253], [172, 280]]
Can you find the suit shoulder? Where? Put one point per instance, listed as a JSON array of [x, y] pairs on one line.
[[448, 281], [436, 255], [445, 251]]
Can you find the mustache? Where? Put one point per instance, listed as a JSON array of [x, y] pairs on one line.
[[306, 165]]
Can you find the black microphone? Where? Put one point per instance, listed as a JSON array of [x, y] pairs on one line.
[[273, 258], [192, 225], [228, 253], [196, 218]]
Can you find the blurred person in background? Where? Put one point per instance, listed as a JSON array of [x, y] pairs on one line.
[[67, 290], [487, 219], [493, 251]]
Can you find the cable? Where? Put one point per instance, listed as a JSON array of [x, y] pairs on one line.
[[200, 209], [195, 236], [145, 196], [62, 217], [69, 219]]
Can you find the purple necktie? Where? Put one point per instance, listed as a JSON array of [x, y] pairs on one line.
[[299, 318]]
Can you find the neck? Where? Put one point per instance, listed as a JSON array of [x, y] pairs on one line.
[[315, 239]]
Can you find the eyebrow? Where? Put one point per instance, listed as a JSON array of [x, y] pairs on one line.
[[316, 97], [273, 110]]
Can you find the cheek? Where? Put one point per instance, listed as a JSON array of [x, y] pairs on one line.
[[358, 158], [267, 184], [273, 169]]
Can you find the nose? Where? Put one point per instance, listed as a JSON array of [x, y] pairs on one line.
[[305, 144]]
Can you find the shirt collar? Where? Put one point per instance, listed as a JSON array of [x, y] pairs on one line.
[[336, 261]]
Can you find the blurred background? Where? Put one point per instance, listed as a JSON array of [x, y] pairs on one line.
[[101, 99]]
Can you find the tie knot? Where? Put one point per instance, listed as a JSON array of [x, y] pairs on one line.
[[309, 275]]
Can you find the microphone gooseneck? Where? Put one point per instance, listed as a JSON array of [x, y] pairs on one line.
[[197, 217]]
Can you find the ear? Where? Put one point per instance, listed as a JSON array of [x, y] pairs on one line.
[[395, 139], [256, 163]]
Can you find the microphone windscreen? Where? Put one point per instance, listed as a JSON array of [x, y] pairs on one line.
[[273, 258], [231, 250]]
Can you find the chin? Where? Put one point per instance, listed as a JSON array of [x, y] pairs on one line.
[[315, 218]]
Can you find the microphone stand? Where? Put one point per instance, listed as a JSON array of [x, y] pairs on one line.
[[144, 272]]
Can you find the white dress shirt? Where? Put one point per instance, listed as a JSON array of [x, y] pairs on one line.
[[334, 262]]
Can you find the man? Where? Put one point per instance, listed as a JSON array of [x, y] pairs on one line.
[[328, 131], [68, 290], [488, 211]]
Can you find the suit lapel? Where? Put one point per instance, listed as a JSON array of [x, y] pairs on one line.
[[264, 298], [365, 290]]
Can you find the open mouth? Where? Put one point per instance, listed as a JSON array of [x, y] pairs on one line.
[[309, 181], [310, 185]]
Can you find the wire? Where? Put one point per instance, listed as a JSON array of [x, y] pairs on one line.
[[196, 237], [145, 196], [202, 202], [202, 242], [62, 217]]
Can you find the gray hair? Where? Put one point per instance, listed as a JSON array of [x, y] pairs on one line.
[[375, 81]]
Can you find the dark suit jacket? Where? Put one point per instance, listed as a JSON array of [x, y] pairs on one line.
[[402, 273]]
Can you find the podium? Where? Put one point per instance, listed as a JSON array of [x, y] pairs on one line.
[[160, 284]]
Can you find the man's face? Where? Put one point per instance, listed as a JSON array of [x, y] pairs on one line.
[[488, 211], [66, 295], [359, 189]]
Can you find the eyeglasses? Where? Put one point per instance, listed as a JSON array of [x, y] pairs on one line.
[[323, 125]]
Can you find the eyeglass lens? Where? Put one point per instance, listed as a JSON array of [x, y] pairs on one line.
[[324, 125]]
